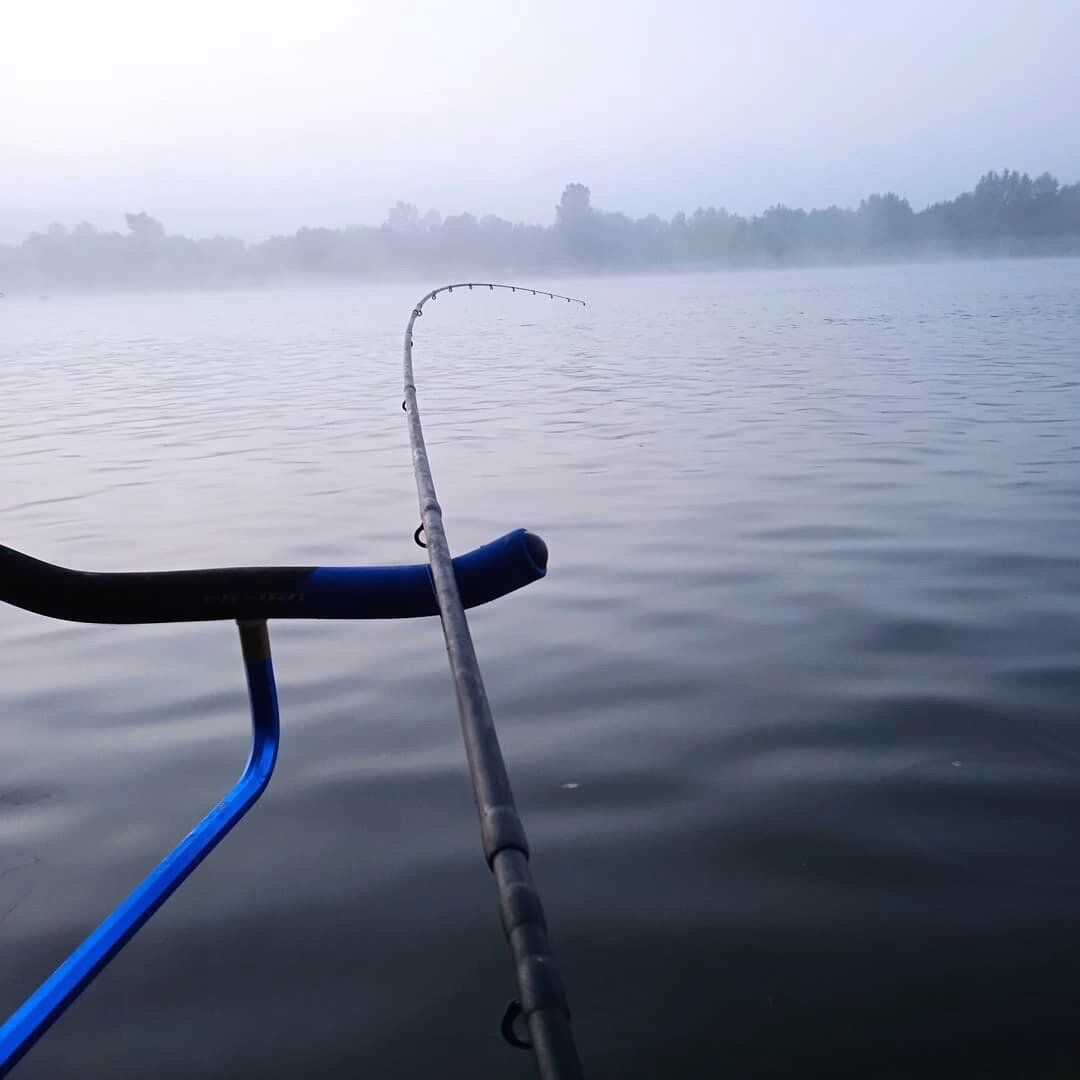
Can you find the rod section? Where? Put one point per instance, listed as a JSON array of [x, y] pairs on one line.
[[540, 988]]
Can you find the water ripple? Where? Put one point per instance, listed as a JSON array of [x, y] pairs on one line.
[[796, 703]]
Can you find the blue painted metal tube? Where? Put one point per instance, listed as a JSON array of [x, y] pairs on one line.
[[45, 1005]]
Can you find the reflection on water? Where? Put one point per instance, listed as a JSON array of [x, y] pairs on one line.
[[792, 721]]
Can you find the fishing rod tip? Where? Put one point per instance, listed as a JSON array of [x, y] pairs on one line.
[[537, 549]]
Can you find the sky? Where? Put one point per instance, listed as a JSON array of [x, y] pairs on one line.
[[253, 117]]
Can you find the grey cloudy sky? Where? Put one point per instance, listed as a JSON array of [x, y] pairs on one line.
[[250, 116]]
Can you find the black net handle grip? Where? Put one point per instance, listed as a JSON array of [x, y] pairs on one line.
[[272, 592]]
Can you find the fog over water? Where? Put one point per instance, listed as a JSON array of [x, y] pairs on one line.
[[249, 119]]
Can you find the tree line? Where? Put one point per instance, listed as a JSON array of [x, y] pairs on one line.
[[1007, 213]]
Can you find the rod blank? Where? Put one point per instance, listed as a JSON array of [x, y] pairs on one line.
[[540, 988]]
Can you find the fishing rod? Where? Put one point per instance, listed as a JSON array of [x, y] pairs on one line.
[[542, 998], [253, 595]]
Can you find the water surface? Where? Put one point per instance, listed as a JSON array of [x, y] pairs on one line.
[[792, 721]]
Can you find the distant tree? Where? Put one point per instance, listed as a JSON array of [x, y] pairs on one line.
[[888, 220], [403, 217], [575, 206], [1045, 188], [780, 231], [315, 249], [577, 226], [144, 228], [1004, 212]]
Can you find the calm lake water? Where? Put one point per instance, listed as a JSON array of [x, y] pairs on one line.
[[793, 722]]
